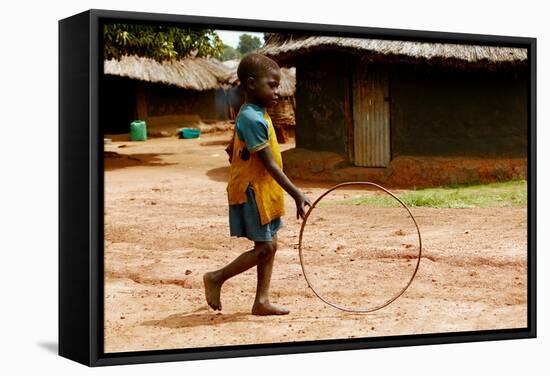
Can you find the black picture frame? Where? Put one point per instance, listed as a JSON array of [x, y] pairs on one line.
[[81, 191]]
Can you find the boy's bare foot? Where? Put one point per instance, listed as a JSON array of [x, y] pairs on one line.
[[212, 290], [268, 309]]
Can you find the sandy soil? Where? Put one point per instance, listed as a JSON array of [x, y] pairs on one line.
[[166, 224]]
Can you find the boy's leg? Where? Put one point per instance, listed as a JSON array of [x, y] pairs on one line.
[[263, 256], [266, 255], [213, 281]]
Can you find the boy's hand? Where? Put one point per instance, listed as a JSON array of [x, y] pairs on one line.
[[229, 151], [229, 148], [301, 202]]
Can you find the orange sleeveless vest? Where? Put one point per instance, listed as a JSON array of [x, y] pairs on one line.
[[269, 194]]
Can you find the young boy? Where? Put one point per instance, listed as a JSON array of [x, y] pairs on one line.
[[255, 185]]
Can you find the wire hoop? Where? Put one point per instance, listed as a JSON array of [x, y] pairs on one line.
[[341, 307]]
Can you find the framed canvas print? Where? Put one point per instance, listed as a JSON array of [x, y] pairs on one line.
[[232, 187]]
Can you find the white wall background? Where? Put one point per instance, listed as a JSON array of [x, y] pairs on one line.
[[28, 147]]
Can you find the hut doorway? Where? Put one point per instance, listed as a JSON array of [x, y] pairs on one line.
[[371, 115], [118, 104]]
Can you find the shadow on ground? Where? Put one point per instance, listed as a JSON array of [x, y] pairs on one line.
[[114, 161], [197, 318]]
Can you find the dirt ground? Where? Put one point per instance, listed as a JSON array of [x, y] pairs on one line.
[[166, 224]]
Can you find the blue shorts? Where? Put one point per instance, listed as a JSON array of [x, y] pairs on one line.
[[244, 220]]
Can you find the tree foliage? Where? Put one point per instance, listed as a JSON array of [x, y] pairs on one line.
[[159, 42], [230, 53], [248, 43]]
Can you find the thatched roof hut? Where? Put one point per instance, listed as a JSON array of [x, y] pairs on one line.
[[167, 95], [374, 101], [231, 64], [190, 73], [285, 46]]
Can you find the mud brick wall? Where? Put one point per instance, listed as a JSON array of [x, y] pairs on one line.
[[434, 111], [319, 95], [171, 100], [452, 112]]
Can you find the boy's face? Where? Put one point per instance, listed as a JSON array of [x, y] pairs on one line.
[[266, 87]]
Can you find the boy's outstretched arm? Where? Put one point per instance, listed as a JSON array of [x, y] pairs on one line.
[[280, 177]]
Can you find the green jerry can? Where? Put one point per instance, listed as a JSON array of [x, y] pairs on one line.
[[138, 130]]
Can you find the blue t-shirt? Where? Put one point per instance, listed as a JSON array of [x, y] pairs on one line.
[[252, 127]]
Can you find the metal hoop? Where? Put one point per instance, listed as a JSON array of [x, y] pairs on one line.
[[343, 308]]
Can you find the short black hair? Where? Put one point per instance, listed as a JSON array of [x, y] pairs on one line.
[[254, 65]]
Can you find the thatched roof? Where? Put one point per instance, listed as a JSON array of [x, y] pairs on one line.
[[287, 86], [284, 47], [190, 73], [231, 64]]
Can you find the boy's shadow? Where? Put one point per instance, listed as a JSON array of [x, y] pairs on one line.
[[187, 320]]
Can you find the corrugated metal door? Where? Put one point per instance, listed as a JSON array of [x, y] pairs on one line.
[[371, 116]]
